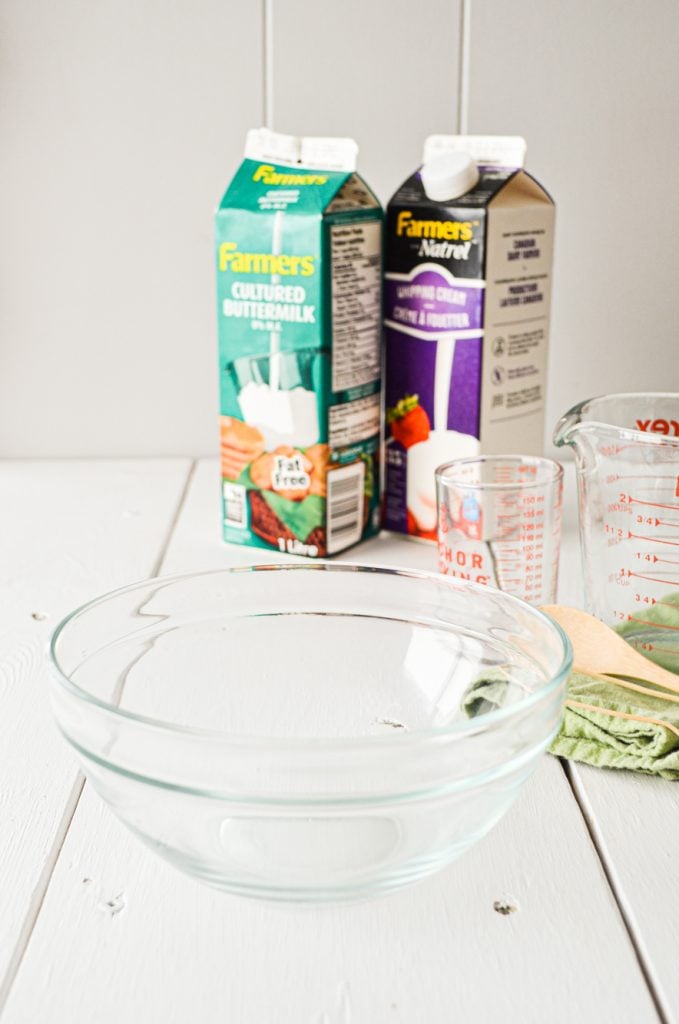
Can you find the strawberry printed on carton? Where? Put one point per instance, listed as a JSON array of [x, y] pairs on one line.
[[408, 421]]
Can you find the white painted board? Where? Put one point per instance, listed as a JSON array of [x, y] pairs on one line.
[[68, 531], [635, 825], [121, 936], [634, 821]]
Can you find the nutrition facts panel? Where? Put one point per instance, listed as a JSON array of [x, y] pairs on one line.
[[354, 421], [356, 321]]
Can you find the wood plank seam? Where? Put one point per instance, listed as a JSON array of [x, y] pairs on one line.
[[580, 796], [40, 890], [158, 564], [75, 796]]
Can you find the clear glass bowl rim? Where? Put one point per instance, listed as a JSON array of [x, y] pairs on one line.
[[436, 735]]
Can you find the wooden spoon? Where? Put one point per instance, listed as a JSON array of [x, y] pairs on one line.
[[623, 714], [598, 650]]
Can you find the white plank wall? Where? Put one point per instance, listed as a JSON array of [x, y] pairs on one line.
[[385, 72], [68, 531], [122, 937], [594, 87], [122, 123]]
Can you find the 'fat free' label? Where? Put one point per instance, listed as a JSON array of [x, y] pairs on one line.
[[289, 473]]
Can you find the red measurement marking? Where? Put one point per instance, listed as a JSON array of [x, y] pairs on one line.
[[655, 504], [676, 491], [653, 579], [652, 647], [665, 561], [654, 521], [656, 625], [654, 540]]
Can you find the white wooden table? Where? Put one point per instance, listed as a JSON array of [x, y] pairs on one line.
[[95, 929]]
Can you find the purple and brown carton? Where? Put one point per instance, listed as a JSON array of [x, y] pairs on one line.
[[468, 270]]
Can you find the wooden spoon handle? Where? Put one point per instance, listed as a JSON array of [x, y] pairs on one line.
[[622, 714], [643, 668], [608, 677]]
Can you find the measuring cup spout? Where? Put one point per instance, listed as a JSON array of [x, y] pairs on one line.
[[569, 426]]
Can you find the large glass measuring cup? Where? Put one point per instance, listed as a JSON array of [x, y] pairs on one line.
[[627, 459]]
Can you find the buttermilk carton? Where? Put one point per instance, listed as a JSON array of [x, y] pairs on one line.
[[468, 266], [299, 243]]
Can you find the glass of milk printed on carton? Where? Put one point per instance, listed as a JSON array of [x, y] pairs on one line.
[[468, 257], [299, 239]]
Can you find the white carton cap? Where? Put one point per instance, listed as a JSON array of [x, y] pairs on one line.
[[448, 176], [496, 150], [318, 153], [328, 154], [263, 144]]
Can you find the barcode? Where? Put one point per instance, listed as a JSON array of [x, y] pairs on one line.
[[345, 506], [234, 505]]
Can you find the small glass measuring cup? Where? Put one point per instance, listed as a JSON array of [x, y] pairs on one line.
[[499, 522], [627, 458]]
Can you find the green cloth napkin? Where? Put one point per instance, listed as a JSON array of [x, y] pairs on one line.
[[663, 634], [596, 738]]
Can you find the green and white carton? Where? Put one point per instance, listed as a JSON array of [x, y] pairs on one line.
[[299, 263]]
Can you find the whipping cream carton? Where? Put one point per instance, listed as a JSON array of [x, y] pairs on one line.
[[468, 267], [299, 243]]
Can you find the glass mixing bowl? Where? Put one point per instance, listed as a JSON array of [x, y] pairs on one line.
[[297, 732]]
